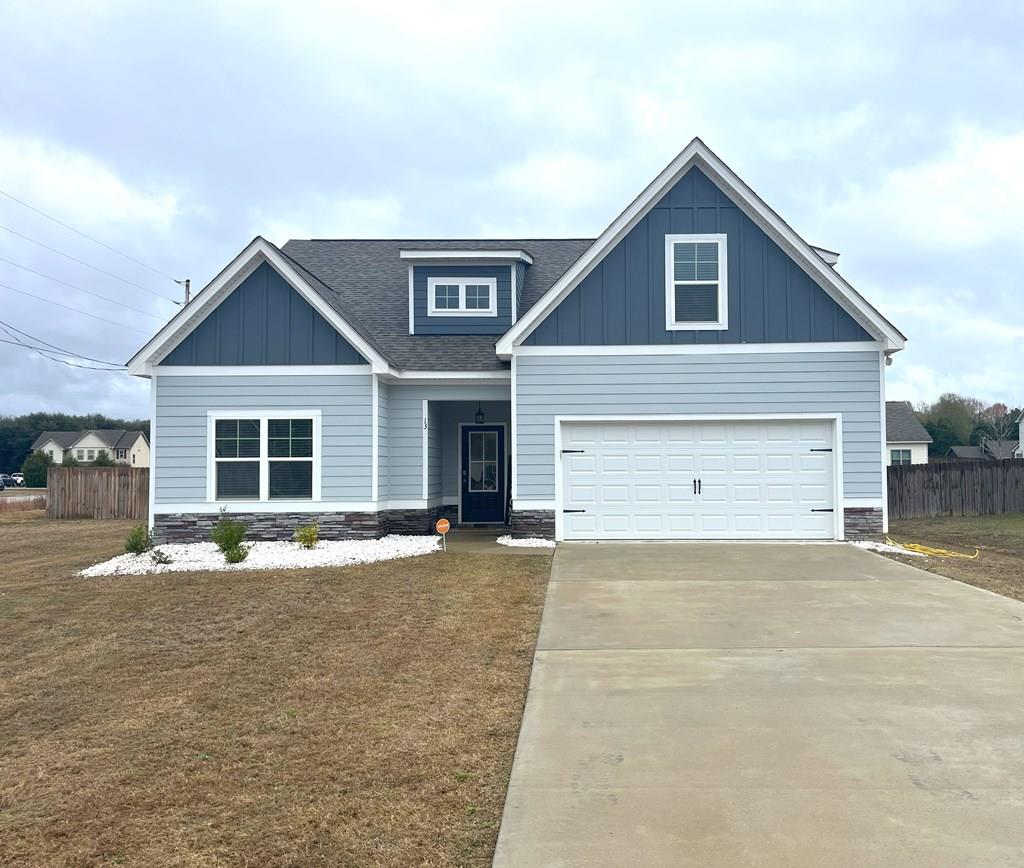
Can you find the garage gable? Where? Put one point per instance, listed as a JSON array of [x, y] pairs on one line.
[[767, 298]]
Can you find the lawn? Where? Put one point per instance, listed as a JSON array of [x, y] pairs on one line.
[[344, 716], [999, 539]]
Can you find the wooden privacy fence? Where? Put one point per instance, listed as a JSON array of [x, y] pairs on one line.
[[97, 492], [956, 488]]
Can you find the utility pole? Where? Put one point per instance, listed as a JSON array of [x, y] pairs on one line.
[[188, 289]]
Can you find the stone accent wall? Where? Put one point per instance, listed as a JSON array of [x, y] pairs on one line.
[[533, 523], [266, 526], [413, 521], [862, 522]]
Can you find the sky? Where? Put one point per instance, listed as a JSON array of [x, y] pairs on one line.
[[173, 133]]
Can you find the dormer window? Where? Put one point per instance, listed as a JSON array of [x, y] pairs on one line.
[[462, 296], [696, 291]]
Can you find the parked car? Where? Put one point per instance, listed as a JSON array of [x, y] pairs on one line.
[[19, 479], [7, 480]]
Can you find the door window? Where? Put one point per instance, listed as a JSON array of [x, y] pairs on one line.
[[483, 460]]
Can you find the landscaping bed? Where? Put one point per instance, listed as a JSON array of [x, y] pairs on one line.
[[360, 715]]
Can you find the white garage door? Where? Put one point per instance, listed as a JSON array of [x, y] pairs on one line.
[[698, 480]]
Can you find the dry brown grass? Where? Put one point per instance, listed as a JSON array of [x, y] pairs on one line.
[[356, 716], [999, 539]]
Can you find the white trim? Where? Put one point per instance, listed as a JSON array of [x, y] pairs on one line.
[[699, 154], [830, 256], [499, 376], [462, 283], [514, 284], [259, 370], [374, 437], [837, 448], [426, 448], [278, 506], [504, 464], [412, 303], [698, 349], [722, 283], [862, 502], [264, 458], [152, 449], [259, 250], [453, 255], [884, 444], [533, 504], [514, 436]]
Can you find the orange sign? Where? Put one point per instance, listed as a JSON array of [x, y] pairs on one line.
[[443, 526]]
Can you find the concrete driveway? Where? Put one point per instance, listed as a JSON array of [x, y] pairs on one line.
[[769, 705]]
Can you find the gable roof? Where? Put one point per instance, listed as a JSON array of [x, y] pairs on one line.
[[973, 453], [698, 154], [113, 438], [64, 439], [902, 425], [1001, 449]]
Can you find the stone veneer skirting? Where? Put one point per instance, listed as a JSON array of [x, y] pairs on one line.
[[533, 523], [862, 522]]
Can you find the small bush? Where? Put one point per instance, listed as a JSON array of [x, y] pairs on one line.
[[139, 540], [102, 459], [158, 556], [35, 467], [307, 535], [228, 533], [236, 554]]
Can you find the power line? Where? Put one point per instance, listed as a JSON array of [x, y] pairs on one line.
[[84, 235], [72, 309], [6, 326], [79, 288], [87, 264], [53, 359]]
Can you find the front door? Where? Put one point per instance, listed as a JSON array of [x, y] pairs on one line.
[[483, 473]]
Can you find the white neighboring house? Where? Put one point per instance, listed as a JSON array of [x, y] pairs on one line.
[[123, 447], [906, 440]]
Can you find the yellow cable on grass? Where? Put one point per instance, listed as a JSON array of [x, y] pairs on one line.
[[931, 551]]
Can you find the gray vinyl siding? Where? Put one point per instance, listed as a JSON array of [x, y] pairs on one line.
[[743, 383], [461, 325], [464, 412], [405, 434], [182, 404], [771, 299], [264, 322]]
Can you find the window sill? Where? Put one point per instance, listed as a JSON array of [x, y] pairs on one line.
[[697, 326]]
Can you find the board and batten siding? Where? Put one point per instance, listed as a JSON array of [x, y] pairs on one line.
[[182, 404], [847, 383], [462, 324]]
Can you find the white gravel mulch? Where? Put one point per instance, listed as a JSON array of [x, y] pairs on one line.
[[205, 557], [526, 542], [870, 545]]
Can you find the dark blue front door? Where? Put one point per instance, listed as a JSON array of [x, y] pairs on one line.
[[483, 473]]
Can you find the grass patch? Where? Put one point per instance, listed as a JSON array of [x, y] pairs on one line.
[[999, 566], [340, 716]]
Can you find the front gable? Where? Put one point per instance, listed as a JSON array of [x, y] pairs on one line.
[[264, 321], [622, 300]]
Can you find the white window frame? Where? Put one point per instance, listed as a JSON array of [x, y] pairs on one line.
[[263, 416], [462, 283], [896, 456], [722, 322]]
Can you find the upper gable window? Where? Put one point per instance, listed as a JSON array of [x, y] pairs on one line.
[[696, 295], [462, 296]]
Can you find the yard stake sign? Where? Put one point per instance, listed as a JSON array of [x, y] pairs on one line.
[[442, 527]]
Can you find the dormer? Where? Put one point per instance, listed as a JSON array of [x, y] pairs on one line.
[[464, 292]]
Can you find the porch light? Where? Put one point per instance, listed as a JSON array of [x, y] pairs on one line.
[[479, 417]]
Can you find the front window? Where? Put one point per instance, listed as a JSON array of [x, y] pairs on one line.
[[458, 296], [266, 458], [899, 456], [483, 460], [80, 454], [696, 295]]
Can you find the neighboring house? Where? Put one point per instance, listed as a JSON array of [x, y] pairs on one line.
[[906, 438], [967, 453], [697, 371], [123, 447], [989, 450], [1019, 452]]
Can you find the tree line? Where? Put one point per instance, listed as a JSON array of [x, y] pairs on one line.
[[959, 420], [18, 433]]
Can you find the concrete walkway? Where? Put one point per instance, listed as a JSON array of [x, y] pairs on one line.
[[769, 705]]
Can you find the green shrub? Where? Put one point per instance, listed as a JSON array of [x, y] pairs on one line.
[[307, 535], [71, 461], [102, 459], [228, 533], [139, 540], [236, 554], [157, 556], [35, 467]]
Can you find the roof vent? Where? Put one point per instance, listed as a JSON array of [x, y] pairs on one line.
[[830, 256]]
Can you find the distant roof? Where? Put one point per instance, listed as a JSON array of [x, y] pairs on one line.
[[115, 438], [368, 283], [1001, 448], [63, 439], [902, 425], [972, 453]]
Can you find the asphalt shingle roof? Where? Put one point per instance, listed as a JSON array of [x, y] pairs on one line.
[[63, 439], [368, 284], [115, 438], [902, 426]]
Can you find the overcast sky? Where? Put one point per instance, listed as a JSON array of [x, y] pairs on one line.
[[891, 132]]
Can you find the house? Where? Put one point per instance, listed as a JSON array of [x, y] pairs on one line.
[[123, 447], [696, 371], [989, 450], [906, 438]]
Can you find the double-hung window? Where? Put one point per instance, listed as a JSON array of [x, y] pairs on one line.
[[899, 456], [696, 285], [259, 457], [462, 296]]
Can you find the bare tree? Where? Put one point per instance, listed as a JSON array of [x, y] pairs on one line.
[[998, 427]]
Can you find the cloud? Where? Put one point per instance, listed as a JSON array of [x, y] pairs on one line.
[[321, 216]]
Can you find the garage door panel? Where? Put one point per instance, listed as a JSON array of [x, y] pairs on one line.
[[759, 479]]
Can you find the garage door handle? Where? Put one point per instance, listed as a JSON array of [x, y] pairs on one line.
[[822, 450], [698, 486], [822, 510], [572, 451], [694, 486], [573, 510]]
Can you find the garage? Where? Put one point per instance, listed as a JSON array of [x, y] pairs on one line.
[[711, 479]]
